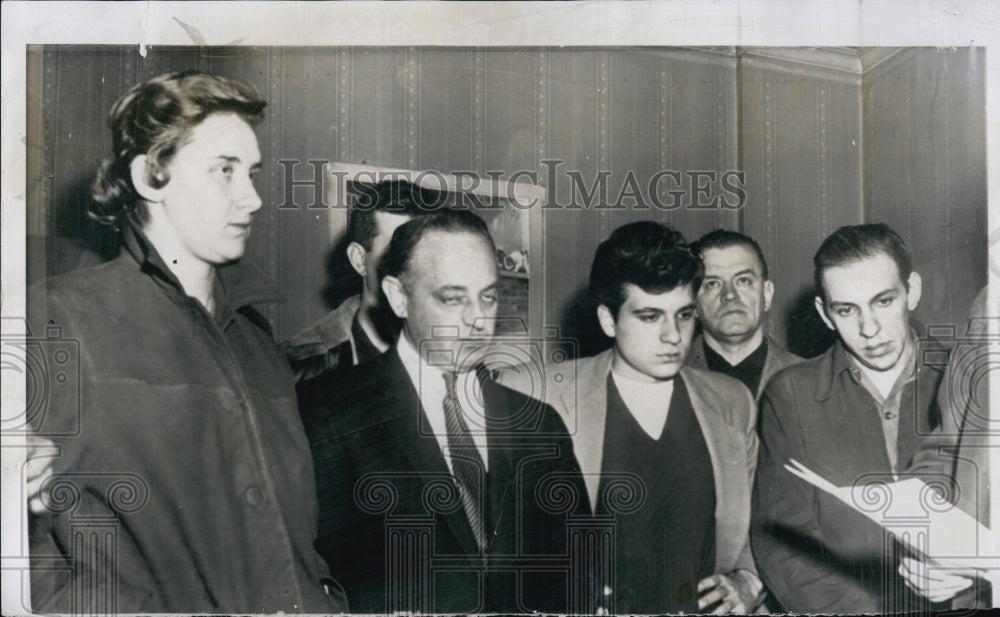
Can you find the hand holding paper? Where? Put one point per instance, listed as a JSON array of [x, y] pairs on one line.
[[953, 538]]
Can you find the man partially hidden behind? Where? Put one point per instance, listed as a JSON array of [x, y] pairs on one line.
[[732, 302], [432, 478], [189, 486], [854, 413], [667, 451], [362, 326]]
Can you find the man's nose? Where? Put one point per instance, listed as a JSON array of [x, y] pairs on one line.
[[475, 316], [869, 325], [729, 293], [669, 332]]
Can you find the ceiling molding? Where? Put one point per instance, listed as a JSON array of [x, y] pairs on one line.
[[840, 63]]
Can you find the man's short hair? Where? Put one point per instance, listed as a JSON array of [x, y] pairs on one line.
[[392, 196], [155, 118], [646, 254], [407, 236], [724, 238], [853, 243]]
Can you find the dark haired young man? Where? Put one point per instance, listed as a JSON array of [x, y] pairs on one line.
[[854, 413], [666, 450], [184, 482], [361, 327], [430, 475], [732, 302]]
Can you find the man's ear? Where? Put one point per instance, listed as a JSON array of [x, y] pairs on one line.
[[916, 289], [768, 294], [607, 320], [394, 292], [148, 188], [356, 255], [821, 309]]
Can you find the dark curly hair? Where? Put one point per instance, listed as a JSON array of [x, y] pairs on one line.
[[155, 118], [649, 255]]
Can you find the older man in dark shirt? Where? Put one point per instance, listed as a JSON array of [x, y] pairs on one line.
[[732, 304]]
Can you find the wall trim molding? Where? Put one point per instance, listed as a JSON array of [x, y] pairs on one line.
[[835, 63]]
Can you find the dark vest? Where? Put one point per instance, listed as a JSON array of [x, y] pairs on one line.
[[667, 545]]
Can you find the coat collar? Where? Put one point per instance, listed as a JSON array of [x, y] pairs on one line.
[[836, 361], [242, 282]]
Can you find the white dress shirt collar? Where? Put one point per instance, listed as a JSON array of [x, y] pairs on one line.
[[431, 390]]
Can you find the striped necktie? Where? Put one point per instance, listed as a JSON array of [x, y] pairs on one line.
[[466, 464]]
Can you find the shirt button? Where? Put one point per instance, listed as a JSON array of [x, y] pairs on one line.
[[253, 496], [889, 415]]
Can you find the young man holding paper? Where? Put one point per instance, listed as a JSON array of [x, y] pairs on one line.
[[853, 414]]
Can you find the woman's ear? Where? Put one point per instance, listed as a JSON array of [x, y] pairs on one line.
[[149, 188]]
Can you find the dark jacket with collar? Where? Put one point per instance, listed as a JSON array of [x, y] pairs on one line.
[[321, 346], [777, 358], [182, 449], [392, 527], [816, 554]]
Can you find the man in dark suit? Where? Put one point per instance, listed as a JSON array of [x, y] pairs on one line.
[[439, 489]]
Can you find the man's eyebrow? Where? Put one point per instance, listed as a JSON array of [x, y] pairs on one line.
[[445, 288], [883, 294], [648, 309], [836, 304], [746, 271], [686, 307]]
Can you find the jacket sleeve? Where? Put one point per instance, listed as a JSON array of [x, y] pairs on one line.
[[74, 537], [785, 531]]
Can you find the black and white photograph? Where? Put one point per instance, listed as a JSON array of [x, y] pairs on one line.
[[586, 308]]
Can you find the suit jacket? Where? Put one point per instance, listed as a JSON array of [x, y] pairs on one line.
[[777, 358], [725, 411], [392, 526], [815, 554]]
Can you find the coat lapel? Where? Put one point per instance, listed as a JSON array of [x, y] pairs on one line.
[[587, 392], [502, 501], [404, 417], [732, 489]]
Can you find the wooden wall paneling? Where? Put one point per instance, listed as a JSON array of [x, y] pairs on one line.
[[572, 235], [377, 110], [925, 170], [694, 129], [511, 100], [307, 103], [796, 113], [634, 147], [445, 110]]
